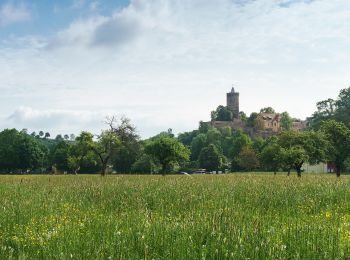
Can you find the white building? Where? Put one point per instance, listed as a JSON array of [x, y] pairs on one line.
[[317, 168]]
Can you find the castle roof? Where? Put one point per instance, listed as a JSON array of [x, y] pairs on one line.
[[270, 116]]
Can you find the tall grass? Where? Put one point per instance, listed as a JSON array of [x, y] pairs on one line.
[[234, 216]]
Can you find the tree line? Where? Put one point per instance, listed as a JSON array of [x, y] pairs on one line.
[[120, 149]]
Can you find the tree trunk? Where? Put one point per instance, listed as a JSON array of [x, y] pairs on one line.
[[104, 169], [338, 171], [288, 174], [298, 168], [299, 172]]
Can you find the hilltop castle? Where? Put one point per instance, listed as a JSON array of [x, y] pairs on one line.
[[267, 123]]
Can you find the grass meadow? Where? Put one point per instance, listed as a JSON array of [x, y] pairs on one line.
[[235, 216]]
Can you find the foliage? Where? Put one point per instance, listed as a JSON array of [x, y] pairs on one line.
[[330, 109], [343, 107], [286, 121], [186, 138], [338, 137], [197, 144], [210, 158], [271, 157], [20, 152], [247, 159], [243, 116], [222, 113], [59, 156], [145, 164], [105, 147], [302, 147], [240, 140], [258, 124], [269, 110], [251, 119], [294, 157], [203, 127], [168, 152]]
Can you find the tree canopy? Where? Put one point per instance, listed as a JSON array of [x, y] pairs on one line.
[[167, 152], [222, 113]]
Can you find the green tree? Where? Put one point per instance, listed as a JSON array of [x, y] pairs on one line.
[[167, 151], [105, 147], [342, 113], [198, 143], [145, 164], [186, 138], [210, 158], [59, 155], [203, 127], [73, 164], [59, 137], [251, 119], [325, 111], [294, 157], [129, 149], [247, 159], [286, 121], [78, 151], [72, 137], [271, 157], [308, 146], [32, 154], [267, 110], [338, 137], [221, 113], [19, 151], [240, 140], [214, 137], [243, 116]]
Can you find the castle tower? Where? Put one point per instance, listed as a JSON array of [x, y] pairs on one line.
[[233, 102]]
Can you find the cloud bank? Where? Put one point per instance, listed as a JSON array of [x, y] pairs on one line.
[[169, 63]]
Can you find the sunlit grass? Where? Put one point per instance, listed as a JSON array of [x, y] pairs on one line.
[[175, 217]]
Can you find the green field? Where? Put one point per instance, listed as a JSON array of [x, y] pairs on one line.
[[235, 216]]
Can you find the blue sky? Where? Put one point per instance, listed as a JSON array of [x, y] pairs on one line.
[[49, 16], [166, 63]]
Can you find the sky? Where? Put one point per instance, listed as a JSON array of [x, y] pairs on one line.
[[66, 64]]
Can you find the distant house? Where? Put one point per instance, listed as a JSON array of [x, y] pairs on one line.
[[299, 125], [319, 168], [271, 121]]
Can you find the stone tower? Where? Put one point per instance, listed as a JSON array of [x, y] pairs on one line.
[[233, 102]]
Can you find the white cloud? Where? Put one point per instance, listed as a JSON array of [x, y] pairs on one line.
[[168, 63], [10, 14], [61, 121], [77, 4]]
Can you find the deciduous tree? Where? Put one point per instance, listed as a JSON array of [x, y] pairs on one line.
[[338, 137], [211, 158], [167, 151]]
